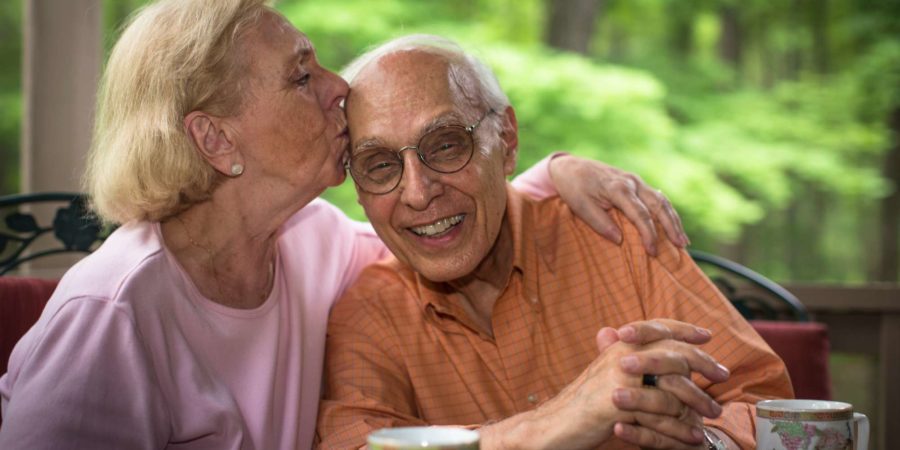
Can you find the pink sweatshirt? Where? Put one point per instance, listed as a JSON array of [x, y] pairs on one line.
[[129, 355]]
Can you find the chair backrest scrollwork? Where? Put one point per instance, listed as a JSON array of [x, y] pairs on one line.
[[73, 228]]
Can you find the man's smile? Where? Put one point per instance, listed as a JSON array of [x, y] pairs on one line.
[[439, 227]]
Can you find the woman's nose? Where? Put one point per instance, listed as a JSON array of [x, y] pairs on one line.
[[338, 89]]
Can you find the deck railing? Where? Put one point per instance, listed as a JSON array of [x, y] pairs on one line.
[[864, 320]]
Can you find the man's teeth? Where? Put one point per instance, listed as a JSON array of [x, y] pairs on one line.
[[438, 227]]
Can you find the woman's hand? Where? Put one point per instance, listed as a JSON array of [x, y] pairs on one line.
[[591, 188]]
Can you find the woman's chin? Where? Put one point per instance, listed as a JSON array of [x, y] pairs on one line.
[[339, 179]]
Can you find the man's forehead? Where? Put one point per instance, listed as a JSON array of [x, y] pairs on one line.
[[407, 132], [423, 62], [400, 96], [399, 70]]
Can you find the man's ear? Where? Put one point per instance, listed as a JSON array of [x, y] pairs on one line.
[[510, 135], [213, 141]]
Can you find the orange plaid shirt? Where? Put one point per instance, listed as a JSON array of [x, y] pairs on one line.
[[402, 352]]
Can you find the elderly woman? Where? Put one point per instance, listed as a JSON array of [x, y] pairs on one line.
[[200, 322]]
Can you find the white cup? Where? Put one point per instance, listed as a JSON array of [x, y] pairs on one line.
[[417, 438], [810, 424]]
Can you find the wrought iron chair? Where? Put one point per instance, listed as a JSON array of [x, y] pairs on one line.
[[779, 318], [73, 227], [752, 294]]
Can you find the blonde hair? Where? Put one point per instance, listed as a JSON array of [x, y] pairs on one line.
[[175, 56]]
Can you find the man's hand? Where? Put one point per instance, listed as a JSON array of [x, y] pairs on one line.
[[608, 396], [590, 188], [683, 402]]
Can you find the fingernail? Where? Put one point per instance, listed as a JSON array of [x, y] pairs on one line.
[[723, 370], [630, 362], [698, 434], [616, 235], [684, 240], [622, 396], [652, 249], [704, 332], [717, 410], [627, 333]]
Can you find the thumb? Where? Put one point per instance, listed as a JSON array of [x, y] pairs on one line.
[[605, 337]]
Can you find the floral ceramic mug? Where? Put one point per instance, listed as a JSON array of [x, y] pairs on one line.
[[810, 425], [417, 438]]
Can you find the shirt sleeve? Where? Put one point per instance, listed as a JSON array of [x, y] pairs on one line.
[[367, 386], [535, 181], [83, 380], [672, 286]]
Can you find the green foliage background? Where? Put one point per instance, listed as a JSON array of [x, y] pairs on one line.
[[737, 157], [780, 169]]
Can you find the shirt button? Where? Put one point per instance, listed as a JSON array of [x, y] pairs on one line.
[[532, 398]]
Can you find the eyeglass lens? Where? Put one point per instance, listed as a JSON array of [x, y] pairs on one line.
[[446, 150]]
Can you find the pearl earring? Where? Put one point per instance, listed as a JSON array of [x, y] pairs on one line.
[[237, 169]]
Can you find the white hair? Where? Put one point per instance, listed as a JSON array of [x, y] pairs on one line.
[[470, 79]]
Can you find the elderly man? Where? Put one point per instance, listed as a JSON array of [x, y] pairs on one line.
[[489, 315]]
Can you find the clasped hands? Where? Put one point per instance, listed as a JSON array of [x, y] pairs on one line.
[[608, 397]]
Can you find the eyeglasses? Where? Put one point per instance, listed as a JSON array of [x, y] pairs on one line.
[[446, 149]]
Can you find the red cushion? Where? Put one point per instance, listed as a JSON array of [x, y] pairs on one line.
[[803, 346], [21, 301]]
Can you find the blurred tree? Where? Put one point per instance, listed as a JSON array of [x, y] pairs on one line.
[[786, 134], [879, 103], [889, 264], [571, 23], [818, 16], [731, 36]]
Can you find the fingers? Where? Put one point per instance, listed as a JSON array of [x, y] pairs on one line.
[[690, 395], [654, 401], [646, 437], [672, 225], [662, 211], [674, 352], [673, 396], [674, 358], [648, 331], [658, 362], [624, 197], [590, 188], [599, 220], [584, 186], [662, 419], [686, 430]]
